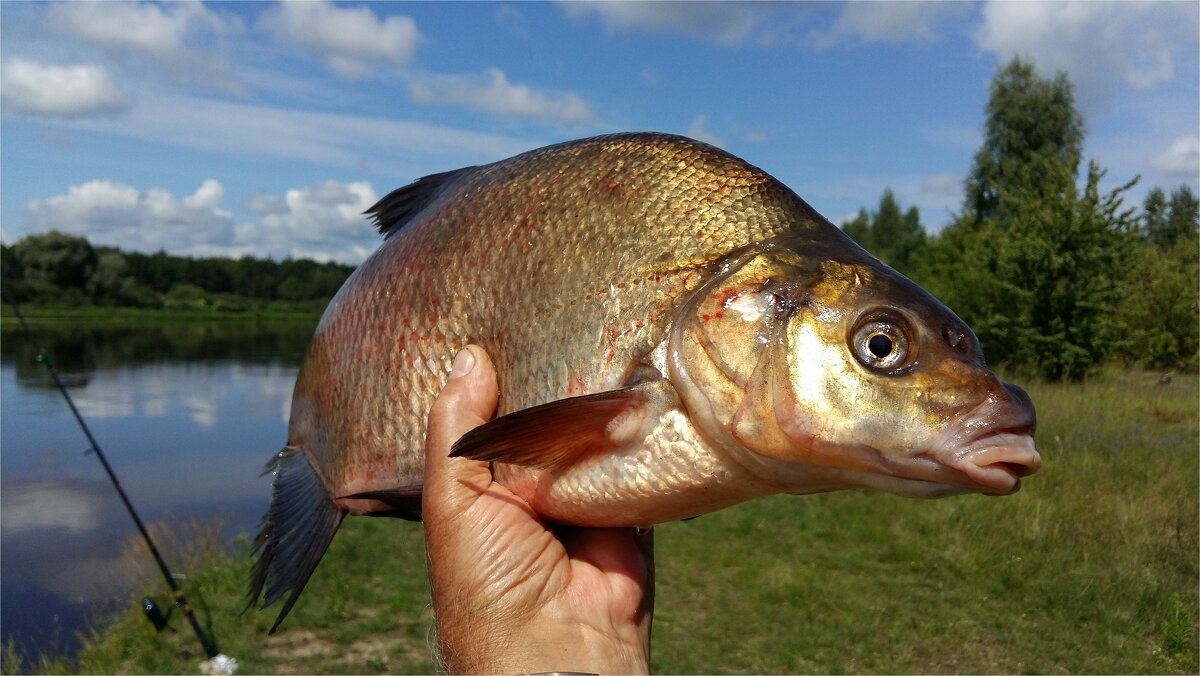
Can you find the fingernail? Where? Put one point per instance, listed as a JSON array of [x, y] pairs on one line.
[[463, 363]]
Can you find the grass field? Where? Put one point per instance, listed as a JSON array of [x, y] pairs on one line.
[[1092, 567]]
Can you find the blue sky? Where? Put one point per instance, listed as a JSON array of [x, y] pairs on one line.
[[264, 128]]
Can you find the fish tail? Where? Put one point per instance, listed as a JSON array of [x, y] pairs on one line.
[[296, 531]]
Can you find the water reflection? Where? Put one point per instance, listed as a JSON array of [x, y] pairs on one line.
[[187, 415]]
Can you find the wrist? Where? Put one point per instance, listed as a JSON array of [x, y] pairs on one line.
[[544, 648]]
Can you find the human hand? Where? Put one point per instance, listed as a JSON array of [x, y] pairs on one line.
[[512, 594]]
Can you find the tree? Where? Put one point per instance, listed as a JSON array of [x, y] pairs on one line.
[[1166, 222], [859, 229], [110, 274], [56, 259], [1183, 218], [1031, 125], [12, 275], [54, 269], [1159, 308], [893, 237], [1035, 261], [1154, 215]]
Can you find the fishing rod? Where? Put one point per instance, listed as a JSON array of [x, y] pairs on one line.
[[219, 663]]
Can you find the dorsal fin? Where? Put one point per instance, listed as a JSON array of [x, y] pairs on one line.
[[399, 206]]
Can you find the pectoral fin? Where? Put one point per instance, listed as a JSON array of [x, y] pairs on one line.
[[564, 432]]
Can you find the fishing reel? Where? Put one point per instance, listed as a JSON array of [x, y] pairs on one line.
[[155, 614]]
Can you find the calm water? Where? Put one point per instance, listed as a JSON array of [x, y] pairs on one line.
[[186, 414]]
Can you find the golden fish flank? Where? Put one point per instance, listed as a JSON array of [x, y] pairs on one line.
[[675, 332]]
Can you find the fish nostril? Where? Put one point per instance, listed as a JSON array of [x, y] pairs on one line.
[[956, 339]]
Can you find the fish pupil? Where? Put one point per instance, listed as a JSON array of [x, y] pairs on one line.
[[880, 345]]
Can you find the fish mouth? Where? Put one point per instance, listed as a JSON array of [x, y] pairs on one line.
[[992, 448], [994, 464], [988, 451]]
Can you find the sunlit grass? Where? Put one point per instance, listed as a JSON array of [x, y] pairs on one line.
[[1092, 567]]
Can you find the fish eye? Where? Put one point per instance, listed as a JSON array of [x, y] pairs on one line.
[[880, 342]]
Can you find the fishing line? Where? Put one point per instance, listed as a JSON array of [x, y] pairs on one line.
[[222, 663]]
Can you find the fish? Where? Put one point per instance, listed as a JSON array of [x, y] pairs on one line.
[[675, 331]]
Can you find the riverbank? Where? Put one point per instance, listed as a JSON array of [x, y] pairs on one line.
[[1092, 567]]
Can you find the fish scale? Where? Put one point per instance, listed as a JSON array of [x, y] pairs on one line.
[[597, 275]]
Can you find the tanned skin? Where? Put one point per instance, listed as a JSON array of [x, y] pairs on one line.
[[511, 593]]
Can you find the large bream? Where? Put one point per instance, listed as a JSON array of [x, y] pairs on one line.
[[675, 331]]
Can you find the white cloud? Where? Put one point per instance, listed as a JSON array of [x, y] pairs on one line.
[[118, 215], [202, 408], [150, 29], [270, 394], [495, 94], [512, 20], [1181, 158], [161, 33], [697, 131], [726, 23], [207, 196], [323, 222], [395, 147], [42, 504], [736, 23], [266, 204], [887, 22], [118, 402], [350, 41], [1101, 45], [59, 91], [944, 186]]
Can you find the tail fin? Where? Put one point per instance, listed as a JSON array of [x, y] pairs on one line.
[[296, 531]]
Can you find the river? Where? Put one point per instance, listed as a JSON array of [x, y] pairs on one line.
[[187, 414]]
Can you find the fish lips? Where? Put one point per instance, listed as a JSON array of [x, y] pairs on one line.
[[993, 464], [987, 449], [992, 448]]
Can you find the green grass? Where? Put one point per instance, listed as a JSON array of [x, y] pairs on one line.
[[1092, 567]]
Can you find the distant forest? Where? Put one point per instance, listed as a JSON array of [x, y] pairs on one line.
[[58, 270]]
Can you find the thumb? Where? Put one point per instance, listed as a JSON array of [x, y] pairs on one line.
[[467, 401]]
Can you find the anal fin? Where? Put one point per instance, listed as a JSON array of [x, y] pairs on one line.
[[561, 433], [296, 531]]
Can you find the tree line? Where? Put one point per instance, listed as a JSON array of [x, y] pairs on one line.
[[1054, 275], [59, 270]]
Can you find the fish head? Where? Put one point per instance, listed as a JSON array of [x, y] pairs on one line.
[[820, 368]]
